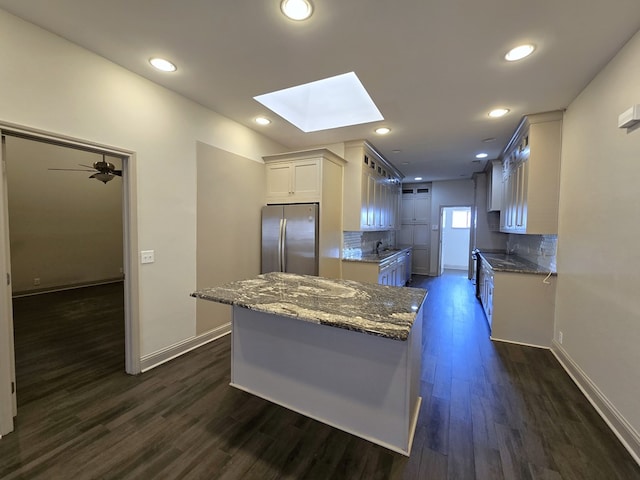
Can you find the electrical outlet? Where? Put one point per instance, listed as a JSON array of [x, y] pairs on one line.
[[36, 282], [560, 337], [147, 256]]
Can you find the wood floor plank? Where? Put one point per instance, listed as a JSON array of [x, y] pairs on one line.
[[489, 411]]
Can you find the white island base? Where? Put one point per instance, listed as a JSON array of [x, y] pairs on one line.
[[360, 383]]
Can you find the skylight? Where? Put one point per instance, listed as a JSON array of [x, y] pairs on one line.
[[333, 102]]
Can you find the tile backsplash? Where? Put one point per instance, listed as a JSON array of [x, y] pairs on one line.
[[365, 242], [539, 249]]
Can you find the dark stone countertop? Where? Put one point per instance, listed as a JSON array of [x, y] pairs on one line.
[[362, 307], [502, 262], [374, 257]]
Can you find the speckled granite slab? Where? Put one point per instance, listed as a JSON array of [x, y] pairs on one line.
[[501, 262], [368, 308], [373, 257]]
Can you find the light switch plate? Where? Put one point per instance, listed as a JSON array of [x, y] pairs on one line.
[[147, 256]]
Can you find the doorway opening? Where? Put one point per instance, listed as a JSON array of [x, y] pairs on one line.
[[66, 245], [455, 238]]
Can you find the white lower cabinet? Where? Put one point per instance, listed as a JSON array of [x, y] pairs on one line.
[[394, 270], [519, 306], [485, 279]]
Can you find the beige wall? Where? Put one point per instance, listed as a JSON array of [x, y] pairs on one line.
[[65, 229], [598, 300], [446, 194], [231, 193], [50, 84]]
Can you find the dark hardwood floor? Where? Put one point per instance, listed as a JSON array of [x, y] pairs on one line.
[[489, 411]]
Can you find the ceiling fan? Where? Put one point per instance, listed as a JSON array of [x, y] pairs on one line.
[[103, 171]]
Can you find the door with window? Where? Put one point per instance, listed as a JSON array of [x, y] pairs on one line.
[[455, 238]]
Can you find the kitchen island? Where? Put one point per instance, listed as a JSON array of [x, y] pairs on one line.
[[342, 352]]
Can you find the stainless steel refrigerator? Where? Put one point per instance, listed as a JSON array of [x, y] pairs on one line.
[[290, 238]]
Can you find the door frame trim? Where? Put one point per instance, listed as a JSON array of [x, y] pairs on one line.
[[130, 248]]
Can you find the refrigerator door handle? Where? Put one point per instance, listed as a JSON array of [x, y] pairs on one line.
[[280, 246], [283, 245]]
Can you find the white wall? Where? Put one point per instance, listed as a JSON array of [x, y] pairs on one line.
[[446, 194], [598, 301], [66, 229], [50, 84], [229, 227]]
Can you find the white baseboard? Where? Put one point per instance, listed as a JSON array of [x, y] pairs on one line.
[[520, 343], [152, 360], [609, 413]]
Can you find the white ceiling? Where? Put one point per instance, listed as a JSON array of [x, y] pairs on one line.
[[434, 68]]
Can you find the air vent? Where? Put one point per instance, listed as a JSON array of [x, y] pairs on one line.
[[423, 190], [407, 190]]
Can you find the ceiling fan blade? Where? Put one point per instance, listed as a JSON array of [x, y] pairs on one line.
[[117, 172], [88, 166], [72, 169]]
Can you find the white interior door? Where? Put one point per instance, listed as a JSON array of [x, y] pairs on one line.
[[8, 404]]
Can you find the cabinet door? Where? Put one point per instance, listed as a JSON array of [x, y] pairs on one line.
[[381, 200], [279, 180], [521, 200], [371, 202], [306, 179], [422, 208], [421, 236], [405, 235], [402, 271], [420, 263], [407, 207]]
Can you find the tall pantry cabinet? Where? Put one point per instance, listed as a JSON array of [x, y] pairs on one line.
[[415, 228]]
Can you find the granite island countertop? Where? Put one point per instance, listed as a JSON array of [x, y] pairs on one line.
[[502, 262], [367, 308]]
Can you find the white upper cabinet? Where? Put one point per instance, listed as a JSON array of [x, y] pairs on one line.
[[494, 186], [531, 176], [293, 181], [371, 189]]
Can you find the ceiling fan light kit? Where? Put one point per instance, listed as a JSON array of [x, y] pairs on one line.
[[102, 171]]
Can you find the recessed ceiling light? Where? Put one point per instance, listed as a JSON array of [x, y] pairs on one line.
[[418, 178], [296, 9], [498, 112], [162, 64], [482, 155], [262, 121], [334, 102], [382, 130], [519, 52]]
